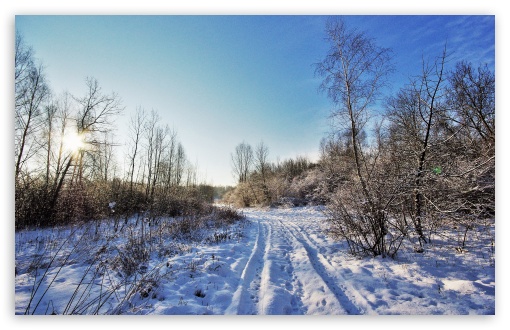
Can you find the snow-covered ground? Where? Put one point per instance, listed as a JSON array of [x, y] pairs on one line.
[[279, 261]]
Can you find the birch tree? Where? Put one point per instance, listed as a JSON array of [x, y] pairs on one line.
[[354, 71]]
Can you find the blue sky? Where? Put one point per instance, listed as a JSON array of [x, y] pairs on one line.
[[221, 80]]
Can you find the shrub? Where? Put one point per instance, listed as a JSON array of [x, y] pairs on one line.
[[366, 227], [228, 215], [131, 255]]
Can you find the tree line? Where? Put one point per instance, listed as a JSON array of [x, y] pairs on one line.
[[430, 159], [394, 167], [262, 182], [65, 168]]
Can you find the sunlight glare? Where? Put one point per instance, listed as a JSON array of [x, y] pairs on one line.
[[73, 142]]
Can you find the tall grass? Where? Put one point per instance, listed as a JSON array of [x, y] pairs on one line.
[[120, 265]]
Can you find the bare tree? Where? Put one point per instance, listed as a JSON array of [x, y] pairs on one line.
[[428, 107], [472, 94], [104, 157], [170, 161], [150, 136], [95, 115], [136, 126], [242, 161], [23, 60], [97, 110], [354, 71], [29, 102], [180, 164], [62, 157], [417, 117], [159, 149], [262, 166], [50, 111], [191, 175]]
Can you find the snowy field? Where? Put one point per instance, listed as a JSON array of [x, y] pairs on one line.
[[278, 261]]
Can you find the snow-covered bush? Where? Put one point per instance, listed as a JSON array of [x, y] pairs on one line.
[[227, 215], [366, 228], [131, 255], [242, 196]]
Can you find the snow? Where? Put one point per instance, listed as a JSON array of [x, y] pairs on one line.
[[279, 261]]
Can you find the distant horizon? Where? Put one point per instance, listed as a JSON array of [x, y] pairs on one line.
[[222, 80]]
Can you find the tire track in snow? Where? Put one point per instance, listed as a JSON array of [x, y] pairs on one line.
[[365, 307], [243, 300], [278, 293], [295, 287], [320, 269]]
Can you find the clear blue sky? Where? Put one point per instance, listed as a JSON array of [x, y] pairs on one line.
[[221, 80]]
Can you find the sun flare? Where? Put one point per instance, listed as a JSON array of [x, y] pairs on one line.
[[73, 142]]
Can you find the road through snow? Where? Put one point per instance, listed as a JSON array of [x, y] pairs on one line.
[[286, 272], [296, 268]]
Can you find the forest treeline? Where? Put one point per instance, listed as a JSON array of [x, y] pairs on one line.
[[394, 167], [65, 169], [265, 183]]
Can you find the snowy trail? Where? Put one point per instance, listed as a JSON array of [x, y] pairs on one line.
[[329, 273], [291, 266], [323, 277], [286, 274], [280, 291], [268, 284], [282, 263], [243, 301]]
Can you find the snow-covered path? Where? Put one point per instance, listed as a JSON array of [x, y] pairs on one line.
[[286, 274], [283, 262], [295, 268]]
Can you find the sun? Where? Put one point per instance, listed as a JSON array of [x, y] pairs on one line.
[[73, 142]]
